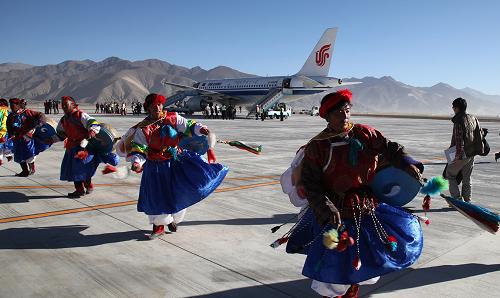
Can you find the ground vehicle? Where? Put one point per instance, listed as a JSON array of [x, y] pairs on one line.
[[314, 111], [276, 114]]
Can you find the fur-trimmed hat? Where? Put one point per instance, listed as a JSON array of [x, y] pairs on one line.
[[154, 98], [331, 100]]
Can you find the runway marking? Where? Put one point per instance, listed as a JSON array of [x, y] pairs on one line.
[[120, 204], [122, 184]]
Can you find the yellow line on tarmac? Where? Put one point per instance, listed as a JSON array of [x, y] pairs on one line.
[[113, 205]]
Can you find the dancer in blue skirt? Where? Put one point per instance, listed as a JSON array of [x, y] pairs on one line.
[[21, 125], [172, 179], [79, 164], [350, 237]]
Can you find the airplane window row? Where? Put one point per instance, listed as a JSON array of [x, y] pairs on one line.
[[243, 86]]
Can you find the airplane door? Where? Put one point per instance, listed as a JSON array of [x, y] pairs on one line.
[[286, 83]]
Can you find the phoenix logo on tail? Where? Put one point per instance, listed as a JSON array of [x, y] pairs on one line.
[[322, 55]]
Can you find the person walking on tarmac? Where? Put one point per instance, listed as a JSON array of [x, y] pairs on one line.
[[467, 137]]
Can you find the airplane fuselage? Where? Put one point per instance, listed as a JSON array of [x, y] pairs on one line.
[[246, 91]]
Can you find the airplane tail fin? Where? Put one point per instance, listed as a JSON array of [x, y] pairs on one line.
[[318, 63]]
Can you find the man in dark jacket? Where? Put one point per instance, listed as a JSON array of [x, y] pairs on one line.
[[467, 138]]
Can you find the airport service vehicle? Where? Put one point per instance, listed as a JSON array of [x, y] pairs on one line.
[[276, 114], [314, 111]]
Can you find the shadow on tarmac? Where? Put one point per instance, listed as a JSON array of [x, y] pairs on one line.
[[414, 278], [18, 197], [276, 219], [296, 288], [61, 237], [389, 283]]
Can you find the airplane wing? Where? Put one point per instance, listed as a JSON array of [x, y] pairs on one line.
[[193, 91], [164, 82], [200, 91], [350, 83]]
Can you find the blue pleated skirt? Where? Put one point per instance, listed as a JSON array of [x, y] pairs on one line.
[[74, 169], [24, 150], [172, 185], [331, 266], [7, 145], [110, 158]]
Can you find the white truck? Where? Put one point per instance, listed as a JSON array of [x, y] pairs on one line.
[[314, 111], [276, 114]]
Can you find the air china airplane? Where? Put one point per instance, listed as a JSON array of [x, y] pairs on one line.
[[265, 91]]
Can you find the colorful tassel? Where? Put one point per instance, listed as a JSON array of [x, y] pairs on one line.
[[434, 186], [356, 263], [426, 204], [278, 242], [173, 152], [331, 239], [392, 243], [211, 156], [344, 241], [83, 154], [424, 219], [255, 149]]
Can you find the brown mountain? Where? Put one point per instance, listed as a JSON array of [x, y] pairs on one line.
[[112, 78], [115, 78], [386, 95], [4, 67]]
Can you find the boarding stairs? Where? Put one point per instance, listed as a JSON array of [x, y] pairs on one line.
[[179, 96], [267, 102]]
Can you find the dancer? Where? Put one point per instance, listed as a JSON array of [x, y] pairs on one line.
[[79, 164], [172, 180], [21, 124], [349, 238]]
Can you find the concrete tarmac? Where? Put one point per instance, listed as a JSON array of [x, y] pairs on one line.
[[96, 246]]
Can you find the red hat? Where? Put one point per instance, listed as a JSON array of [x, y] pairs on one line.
[[15, 100], [154, 98], [331, 100], [68, 98]]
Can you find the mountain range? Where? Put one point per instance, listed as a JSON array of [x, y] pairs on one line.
[[118, 79]]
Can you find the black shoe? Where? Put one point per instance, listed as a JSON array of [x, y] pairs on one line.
[[22, 174], [76, 194], [497, 156], [172, 227]]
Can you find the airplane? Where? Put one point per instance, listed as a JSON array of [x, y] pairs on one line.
[[264, 91]]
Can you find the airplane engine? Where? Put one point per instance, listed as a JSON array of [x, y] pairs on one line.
[[196, 104]]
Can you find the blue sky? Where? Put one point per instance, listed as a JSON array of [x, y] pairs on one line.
[[419, 43]]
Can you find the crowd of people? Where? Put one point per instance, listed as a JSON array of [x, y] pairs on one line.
[[51, 106], [226, 112], [330, 181], [117, 108]]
